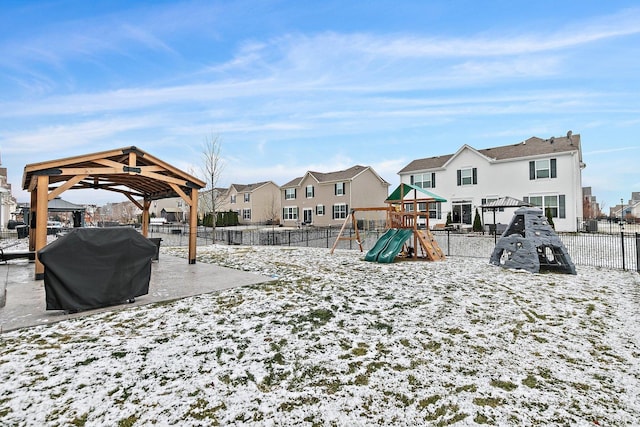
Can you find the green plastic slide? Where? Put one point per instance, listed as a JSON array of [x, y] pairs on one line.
[[373, 253], [394, 246]]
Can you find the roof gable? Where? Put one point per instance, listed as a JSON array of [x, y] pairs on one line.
[[461, 150], [249, 188]]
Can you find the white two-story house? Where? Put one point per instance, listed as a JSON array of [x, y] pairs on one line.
[[544, 172], [325, 199]]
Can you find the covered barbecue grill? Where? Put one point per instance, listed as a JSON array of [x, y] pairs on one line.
[[96, 267]]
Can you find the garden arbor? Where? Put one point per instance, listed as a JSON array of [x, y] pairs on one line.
[[131, 171]]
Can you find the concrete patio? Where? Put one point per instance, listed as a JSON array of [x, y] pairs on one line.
[[171, 278]]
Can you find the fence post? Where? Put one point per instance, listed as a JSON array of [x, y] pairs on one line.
[[622, 242], [638, 252], [448, 243]]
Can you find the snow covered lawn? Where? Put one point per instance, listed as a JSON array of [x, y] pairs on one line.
[[334, 340]]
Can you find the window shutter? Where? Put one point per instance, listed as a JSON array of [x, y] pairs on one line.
[[439, 209], [313, 191], [475, 175], [554, 172], [335, 193], [411, 180], [459, 177], [284, 212], [561, 206], [532, 170], [295, 193], [346, 210], [433, 180], [483, 202]]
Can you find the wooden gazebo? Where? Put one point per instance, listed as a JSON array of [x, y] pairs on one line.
[[129, 171]]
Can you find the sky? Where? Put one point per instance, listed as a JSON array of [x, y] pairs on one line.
[[292, 86]]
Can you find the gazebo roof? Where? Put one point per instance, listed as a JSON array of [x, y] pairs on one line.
[[129, 170], [59, 205], [505, 202]]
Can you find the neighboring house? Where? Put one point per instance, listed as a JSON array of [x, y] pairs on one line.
[[207, 203], [257, 203], [590, 206], [173, 214], [8, 203], [324, 199], [544, 172], [630, 211]]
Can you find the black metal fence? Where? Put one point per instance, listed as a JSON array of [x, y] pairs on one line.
[[617, 250]]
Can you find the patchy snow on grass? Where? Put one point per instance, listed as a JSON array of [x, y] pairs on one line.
[[335, 340]]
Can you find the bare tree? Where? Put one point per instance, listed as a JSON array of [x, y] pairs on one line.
[[272, 210], [212, 166]]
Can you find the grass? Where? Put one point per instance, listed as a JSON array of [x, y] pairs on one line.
[[313, 346]]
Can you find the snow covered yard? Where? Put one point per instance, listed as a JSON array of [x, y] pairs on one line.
[[334, 340]]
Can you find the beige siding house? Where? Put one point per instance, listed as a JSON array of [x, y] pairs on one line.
[[257, 203], [324, 199], [219, 202]]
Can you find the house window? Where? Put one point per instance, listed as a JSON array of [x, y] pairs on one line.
[[310, 192], [543, 169], [290, 213], [339, 211], [320, 210], [290, 194], [468, 176], [233, 199], [555, 204], [339, 190], [247, 197], [246, 214], [408, 207], [461, 212], [424, 180], [435, 210]]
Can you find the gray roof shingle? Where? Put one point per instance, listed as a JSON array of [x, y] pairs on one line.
[[321, 177], [533, 146]]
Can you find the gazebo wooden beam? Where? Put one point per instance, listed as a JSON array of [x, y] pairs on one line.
[[67, 185]]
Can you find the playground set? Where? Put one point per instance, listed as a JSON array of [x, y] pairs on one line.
[[406, 228]]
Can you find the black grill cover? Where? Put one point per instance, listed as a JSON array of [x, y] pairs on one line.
[[96, 267]]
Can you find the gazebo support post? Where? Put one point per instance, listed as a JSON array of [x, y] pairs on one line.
[[32, 229], [193, 225], [145, 217], [41, 212]]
